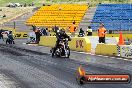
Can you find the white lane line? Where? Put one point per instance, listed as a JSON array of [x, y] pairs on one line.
[[123, 59], [126, 59], [130, 60], [99, 55], [112, 57], [120, 58], [105, 56], [81, 52], [84, 53], [24, 43], [92, 54], [32, 44], [102, 56]]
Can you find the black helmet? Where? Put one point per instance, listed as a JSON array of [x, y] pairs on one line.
[[62, 31]]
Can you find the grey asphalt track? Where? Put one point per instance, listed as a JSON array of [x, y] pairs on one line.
[[31, 67]]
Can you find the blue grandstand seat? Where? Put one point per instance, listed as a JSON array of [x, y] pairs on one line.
[[114, 16]]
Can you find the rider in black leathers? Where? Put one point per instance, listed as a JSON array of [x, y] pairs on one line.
[[60, 35]]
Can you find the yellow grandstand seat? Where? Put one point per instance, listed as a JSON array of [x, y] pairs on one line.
[[59, 14]]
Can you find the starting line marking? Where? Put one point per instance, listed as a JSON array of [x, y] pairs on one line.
[[104, 56], [112, 57], [126, 59], [23, 43], [120, 58], [99, 55]]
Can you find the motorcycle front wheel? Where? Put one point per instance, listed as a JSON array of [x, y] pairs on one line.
[[68, 53], [58, 52]]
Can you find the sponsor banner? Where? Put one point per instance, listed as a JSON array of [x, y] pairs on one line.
[[107, 78], [126, 51], [21, 35]]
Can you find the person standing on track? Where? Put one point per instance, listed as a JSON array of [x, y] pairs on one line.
[[72, 29], [38, 34], [10, 38], [101, 33]]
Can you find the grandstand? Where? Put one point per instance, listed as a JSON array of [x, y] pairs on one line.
[[61, 15], [114, 16]]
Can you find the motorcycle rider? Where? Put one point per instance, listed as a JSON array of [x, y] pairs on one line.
[[60, 35]]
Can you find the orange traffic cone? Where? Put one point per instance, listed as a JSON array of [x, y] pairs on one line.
[[121, 39]]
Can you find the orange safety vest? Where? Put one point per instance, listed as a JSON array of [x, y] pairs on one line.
[[72, 28], [101, 32]]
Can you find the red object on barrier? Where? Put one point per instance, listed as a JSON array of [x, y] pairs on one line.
[[79, 44], [121, 39]]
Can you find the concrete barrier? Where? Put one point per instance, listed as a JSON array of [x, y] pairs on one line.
[[98, 48], [106, 49], [47, 41], [80, 44], [77, 43]]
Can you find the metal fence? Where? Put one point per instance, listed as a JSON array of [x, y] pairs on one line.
[[19, 25], [111, 27], [114, 27]]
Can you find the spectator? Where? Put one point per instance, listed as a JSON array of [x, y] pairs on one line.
[[55, 29], [38, 34], [73, 29], [4, 16], [33, 3], [29, 4], [89, 31], [10, 38], [47, 31], [1, 33], [32, 37], [25, 5], [21, 5], [81, 33], [34, 27], [44, 31], [101, 33], [43, 4]]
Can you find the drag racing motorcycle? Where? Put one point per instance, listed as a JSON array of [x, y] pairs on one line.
[[63, 49]]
